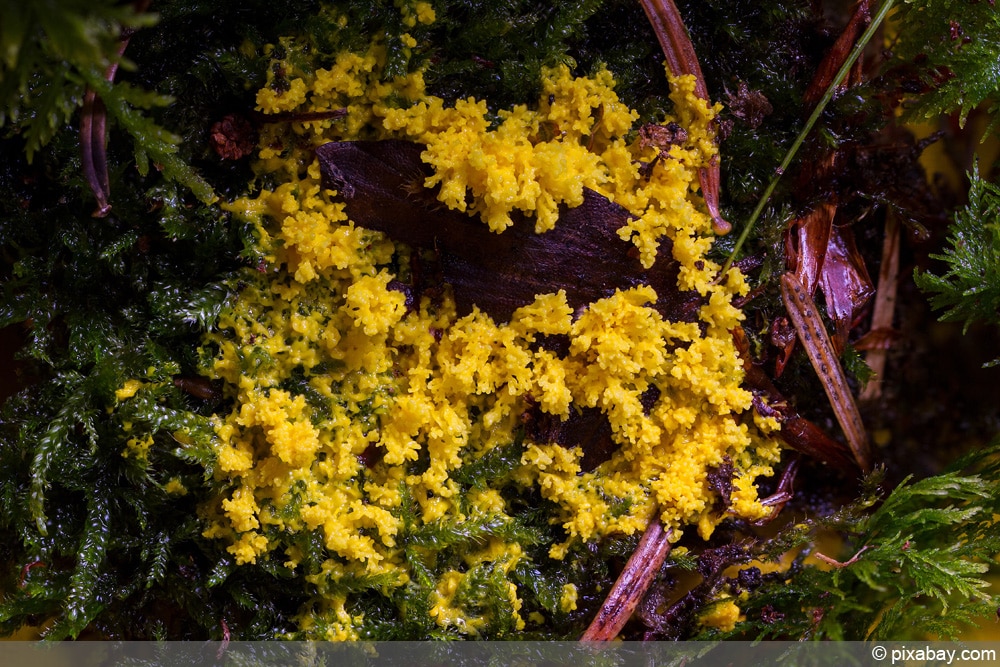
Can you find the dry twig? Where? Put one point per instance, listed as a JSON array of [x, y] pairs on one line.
[[631, 585], [94, 131], [682, 60], [884, 310], [812, 333], [838, 564]]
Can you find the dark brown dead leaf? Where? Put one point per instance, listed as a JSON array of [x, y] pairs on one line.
[[381, 183], [587, 429]]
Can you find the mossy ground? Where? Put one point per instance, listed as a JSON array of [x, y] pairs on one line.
[[107, 544]]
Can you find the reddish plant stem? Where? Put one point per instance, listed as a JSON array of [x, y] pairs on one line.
[[94, 131], [885, 306], [838, 564], [838, 54], [681, 60], [298, 116], [632, 584], [93, 152], [816, 341], [28, 568], [673, 36], [782, 495]]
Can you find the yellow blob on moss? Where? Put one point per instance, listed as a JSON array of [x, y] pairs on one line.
[[567, 601], [354, 418], [175, 487], [723, 615], [138, 448], [128, 390]]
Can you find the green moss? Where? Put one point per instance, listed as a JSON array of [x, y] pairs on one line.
[[92, 540]]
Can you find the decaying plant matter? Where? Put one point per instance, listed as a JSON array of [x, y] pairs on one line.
[[110, 428]]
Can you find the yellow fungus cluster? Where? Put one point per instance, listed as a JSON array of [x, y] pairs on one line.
[[353, 418]]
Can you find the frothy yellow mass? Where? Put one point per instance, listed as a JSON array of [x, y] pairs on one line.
[[353, 420]]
